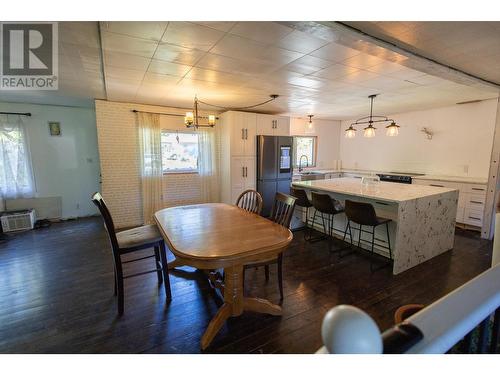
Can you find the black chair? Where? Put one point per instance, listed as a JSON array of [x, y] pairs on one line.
[[281, 213], [364, 214], [131, 240], [251, 201], [303, 202], [327, 208]]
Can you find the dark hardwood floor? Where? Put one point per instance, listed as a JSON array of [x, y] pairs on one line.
[[56, 296]]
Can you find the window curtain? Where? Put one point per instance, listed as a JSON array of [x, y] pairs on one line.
[[151, 169], [208, 165], [16, 175]]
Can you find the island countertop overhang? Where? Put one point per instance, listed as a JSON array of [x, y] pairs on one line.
[[382, 191]]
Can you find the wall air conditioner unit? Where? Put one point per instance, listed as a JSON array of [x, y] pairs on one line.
[[18, 220]]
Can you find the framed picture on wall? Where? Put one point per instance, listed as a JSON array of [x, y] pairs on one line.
[[54, 128]]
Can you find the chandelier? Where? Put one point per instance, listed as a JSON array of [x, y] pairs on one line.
[[193, 119], [392, 129]]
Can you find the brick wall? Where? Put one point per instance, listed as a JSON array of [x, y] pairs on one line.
[[120, 166]]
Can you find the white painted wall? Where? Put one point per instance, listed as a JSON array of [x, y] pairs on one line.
[[328, 133], [461, 146], [65, 166]]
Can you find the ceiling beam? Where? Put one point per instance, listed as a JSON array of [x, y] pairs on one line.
[[352, 37]]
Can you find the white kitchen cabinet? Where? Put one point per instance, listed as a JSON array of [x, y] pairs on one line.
[[238, 132], [242, 127], [471, 199], [273, 125]]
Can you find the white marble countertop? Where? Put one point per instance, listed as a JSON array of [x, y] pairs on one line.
[[383, 191], [466, 179]]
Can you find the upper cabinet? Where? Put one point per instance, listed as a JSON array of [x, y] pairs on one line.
[[273, 125], [243, 131]]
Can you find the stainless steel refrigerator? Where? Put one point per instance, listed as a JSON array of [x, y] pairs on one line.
[[274, 168]]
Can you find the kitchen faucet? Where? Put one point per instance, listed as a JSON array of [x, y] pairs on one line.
[[300, 162]]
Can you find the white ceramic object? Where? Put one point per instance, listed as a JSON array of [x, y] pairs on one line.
[[349, 330]]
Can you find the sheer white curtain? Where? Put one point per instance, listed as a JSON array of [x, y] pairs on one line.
[[16, 175], [208, 165], [151, 169]]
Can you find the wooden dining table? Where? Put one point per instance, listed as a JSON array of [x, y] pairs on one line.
[[216, 235]]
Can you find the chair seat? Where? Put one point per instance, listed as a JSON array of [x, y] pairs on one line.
[[382, 220], [138, 236]]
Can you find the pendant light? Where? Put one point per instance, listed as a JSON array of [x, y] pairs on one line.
[[310, 125], [350, 132], [392, 130]]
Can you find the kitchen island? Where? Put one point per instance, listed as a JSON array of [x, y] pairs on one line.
[[423, 217]]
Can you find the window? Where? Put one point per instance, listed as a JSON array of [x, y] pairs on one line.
[[304, 146], [16, 179], [179, 152]]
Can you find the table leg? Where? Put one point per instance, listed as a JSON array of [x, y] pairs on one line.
[[261, 306], [235, 304]]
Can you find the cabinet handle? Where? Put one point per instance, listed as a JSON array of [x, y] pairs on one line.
[[478, 189], [475, 218], [436, 185], [477, 202], [242, 133], [246, 133], [246, 171], [242, 171]]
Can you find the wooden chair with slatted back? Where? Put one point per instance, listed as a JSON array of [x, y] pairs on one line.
[[251, 201], [281, 213], [131, 240]]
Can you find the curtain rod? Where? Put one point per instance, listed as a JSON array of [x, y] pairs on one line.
[[16, 113], [165, 114]]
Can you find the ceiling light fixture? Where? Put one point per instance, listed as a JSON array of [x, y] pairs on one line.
[[369, 131], [310, 125], [192, 119]]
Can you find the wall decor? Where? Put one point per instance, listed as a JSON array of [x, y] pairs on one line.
[[55, 128]]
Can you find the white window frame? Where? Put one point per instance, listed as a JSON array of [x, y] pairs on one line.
[[181, 171], [312, 163]]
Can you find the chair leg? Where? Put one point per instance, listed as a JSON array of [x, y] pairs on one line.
[[266, 270], [121, 296], [280, 275], [306, 236], [164, 270], [372, 249], [388, 240], [359, 237], [158, 264]]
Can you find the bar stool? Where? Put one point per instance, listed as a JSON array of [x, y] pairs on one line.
[[303, 202], [364, 214], [326, 206]]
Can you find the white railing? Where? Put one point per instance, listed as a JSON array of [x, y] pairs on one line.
[[435, 329]]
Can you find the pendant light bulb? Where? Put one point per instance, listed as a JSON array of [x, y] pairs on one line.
[[189, 118], [369, 131], [211, 120], [392, 130], [350, 132]]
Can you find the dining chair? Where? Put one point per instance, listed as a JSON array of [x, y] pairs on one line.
[[250, 200], [129, 241], [281, 213]]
